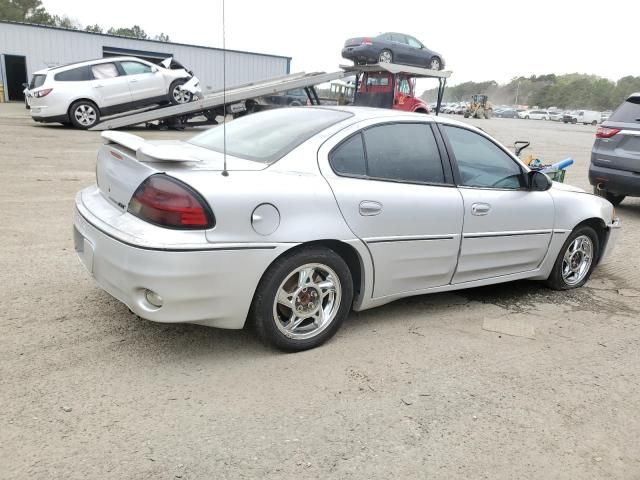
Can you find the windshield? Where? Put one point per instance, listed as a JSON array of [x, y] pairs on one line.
[[37, 81], [268, 136]]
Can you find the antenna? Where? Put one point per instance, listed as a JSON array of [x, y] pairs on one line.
[[225, 173]]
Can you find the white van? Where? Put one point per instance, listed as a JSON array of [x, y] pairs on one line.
[[589, 117]]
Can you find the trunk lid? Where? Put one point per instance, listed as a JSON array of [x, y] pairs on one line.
[[353, 42], [126, 160]]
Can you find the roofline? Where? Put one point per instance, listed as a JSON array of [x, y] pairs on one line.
[[25, 24]]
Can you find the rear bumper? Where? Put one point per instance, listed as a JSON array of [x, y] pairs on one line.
[[621, 182], [365, 53], [212, 285]]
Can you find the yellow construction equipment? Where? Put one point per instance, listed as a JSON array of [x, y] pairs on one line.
[[479, 107]]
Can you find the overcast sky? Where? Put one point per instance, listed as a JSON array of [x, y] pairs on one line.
[[480, 40]]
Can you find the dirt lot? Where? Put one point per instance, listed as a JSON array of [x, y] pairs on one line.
[[413, 389]]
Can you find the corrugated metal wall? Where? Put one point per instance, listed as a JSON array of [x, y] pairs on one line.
[[45, 47]]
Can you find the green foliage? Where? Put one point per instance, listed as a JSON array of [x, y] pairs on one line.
[[134, 32], [32, 11], [575, 90]]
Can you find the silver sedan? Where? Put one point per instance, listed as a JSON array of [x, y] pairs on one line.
[[293, 217]]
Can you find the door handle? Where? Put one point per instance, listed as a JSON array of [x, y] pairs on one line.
[[369, 208], [480, 208]]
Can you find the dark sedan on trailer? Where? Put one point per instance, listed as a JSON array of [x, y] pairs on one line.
[[391, 48]]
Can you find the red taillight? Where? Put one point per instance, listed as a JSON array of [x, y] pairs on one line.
[[366, 41], [42, 93], [167, 202], [605, 132]]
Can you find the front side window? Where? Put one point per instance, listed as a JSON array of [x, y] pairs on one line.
[[414, 43], [404, 87], [135, 68], [482, 163], [104, 70]]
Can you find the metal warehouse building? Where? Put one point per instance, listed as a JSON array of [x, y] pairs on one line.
[[27, 48]]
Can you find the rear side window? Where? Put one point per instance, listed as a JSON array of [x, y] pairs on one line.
[[348, 158], [104, 70], [404, 152], [79, 74], [135, 68], [37, 81], [628, 112]]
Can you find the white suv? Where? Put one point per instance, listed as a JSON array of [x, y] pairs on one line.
[[81, 93]]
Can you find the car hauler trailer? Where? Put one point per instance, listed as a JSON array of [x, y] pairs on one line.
[[240, 99]]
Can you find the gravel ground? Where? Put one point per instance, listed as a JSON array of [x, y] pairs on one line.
[[413, 389]]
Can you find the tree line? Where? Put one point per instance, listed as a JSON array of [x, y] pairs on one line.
[[571, 91], [32, 11]]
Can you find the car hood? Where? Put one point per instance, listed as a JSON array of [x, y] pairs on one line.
[[566, 188]]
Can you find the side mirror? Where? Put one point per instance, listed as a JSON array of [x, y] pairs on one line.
[[520, 145], [538, 181]]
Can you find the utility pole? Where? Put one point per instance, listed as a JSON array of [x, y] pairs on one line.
[[517, 92]]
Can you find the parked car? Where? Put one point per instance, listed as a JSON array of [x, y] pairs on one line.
[[290, 238], [81, 93], [534, 114], [505, 113], [588, 117], [392, 48], [291, 98], [615, 157], [556, 115], [570, 116]]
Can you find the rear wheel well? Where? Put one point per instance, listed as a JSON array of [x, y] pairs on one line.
[[348, 254], [600, 228], [81, 100]]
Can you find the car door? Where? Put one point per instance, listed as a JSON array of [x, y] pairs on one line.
[[401, 52], [111, 89], [145, 81], [397, 197], [507, 227], [416, 52]]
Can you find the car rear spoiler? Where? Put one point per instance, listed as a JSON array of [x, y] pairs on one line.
[[147, 152]]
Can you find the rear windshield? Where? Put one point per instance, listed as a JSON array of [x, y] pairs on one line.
[[268, 136], [628, 112], [37, 81]]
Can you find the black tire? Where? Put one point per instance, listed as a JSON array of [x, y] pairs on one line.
[[84, 114], [433, 62], [594, 123], [526, 117], [574, 121], [173, 98], [264, 308], [612, 197], [556, 279], [385, 56]]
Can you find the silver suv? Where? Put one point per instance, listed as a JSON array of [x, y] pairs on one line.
[[80, 93], [615, 158]]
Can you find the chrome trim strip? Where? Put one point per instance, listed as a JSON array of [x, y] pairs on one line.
[[506, 234], [413, 238], [634, 133]]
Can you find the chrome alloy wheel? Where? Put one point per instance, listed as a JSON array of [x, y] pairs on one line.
[[307, 301], [577, 260], [180, 95], [385, 57], [85, 115]]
